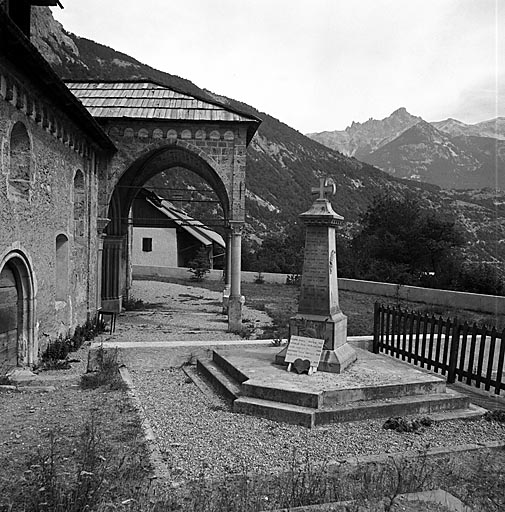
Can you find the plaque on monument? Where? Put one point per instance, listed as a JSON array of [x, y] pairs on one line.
[[304, 349]]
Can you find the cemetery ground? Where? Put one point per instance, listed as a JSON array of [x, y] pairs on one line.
[[85, 446]]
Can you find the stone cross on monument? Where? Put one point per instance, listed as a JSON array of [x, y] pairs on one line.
[[319, 314], [326, 187]]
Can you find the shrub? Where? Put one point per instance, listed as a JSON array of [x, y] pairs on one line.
[[133, 304], [55, 357], [294, 279], [404, 425], [480, 278], [260, 279], [199, 266]]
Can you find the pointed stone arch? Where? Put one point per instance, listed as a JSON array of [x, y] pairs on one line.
[[152, 162], [175, 154]]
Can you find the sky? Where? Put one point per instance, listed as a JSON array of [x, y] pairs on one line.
[[317, 65]]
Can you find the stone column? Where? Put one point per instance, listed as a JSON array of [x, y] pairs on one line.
[[227, 273], [235, 301], [101, 224], [319, 314]]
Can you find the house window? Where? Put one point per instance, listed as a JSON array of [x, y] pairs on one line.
[[147, 244]]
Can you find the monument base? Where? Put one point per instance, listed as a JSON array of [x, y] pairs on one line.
[[337, 354], [336, 361], [386, 388], [331, 329]]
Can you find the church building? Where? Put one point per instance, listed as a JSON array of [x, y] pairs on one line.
[[69, 173], [52, 153]]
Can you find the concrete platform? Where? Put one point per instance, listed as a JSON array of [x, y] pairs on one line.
[[374, 386]]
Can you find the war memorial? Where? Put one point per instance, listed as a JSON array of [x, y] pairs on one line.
[[321, 376]]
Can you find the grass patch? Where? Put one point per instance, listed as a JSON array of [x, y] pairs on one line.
[[107, 373], [55, 356], [75, 450]]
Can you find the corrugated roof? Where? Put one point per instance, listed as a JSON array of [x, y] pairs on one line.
[[194, 227], [148, 100]]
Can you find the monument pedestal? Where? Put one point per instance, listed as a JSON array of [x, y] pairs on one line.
[[337, 353]]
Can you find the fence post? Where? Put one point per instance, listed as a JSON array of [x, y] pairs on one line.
[[376, 327], [453, 354]]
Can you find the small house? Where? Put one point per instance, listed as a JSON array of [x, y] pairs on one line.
[[165, 236]]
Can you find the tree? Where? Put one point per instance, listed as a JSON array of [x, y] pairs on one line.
[[403, 242], [281, 252]]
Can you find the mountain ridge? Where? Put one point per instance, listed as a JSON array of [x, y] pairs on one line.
[[448, 153]]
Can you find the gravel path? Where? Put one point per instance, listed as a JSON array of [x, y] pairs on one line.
[[177, 313], [196, 436]]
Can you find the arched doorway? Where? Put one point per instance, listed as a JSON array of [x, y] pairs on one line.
[[16, 312], [116, 246]]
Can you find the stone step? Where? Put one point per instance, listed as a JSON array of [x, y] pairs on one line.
[[276, 411], [228, 367], [217, 376], [392, 407], [429, 386], [440, 405], [318, 400], [286, 396]]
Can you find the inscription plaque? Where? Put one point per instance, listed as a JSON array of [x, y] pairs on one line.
[[303, 348]]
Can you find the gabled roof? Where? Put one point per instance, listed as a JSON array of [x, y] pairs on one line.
[[146, 99], [194, 227]]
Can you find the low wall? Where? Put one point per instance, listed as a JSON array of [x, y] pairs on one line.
[[446, 298], [140, 271]]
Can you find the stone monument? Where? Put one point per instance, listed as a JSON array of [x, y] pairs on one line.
[[319, 314]]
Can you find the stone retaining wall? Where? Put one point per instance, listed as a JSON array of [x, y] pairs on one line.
[[459, 300]]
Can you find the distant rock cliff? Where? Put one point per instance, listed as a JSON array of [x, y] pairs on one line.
[[361, 139], [448, 153]]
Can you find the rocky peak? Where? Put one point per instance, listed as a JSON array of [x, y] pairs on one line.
[[50, 38]]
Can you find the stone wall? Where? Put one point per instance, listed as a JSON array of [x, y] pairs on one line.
[[37, 218], [471, 301], [222, 147]]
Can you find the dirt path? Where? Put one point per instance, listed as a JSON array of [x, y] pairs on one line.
[[177, 312]]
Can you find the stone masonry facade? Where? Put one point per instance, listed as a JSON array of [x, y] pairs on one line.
[[34, 217], [222, 147]]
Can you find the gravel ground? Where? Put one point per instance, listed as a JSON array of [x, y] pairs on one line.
[[196, 436], [177, 313], [199, 436]]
